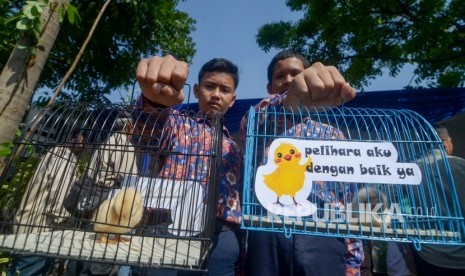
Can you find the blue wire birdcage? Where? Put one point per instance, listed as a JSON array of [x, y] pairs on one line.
[[347, 172]]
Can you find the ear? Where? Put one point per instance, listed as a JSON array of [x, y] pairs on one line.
[[232, 100], [268, 88], [196, 90]]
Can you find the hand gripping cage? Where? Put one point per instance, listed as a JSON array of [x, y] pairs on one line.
[[356, 173], [61, 184]]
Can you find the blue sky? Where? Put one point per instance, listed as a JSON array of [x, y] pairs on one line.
[[228, 29]]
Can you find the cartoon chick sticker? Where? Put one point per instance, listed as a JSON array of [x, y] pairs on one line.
[[284, 187], [283, 184]]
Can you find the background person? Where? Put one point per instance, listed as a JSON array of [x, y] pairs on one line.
[[445, 138], [402, 259], [443, 259], [42, 203]]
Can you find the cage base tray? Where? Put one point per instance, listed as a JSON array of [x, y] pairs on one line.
[[146, 251], [276, 224]]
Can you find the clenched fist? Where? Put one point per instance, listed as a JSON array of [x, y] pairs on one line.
[[320, 86], [162, 79]]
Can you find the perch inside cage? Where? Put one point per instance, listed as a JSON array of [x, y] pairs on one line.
[[104, 183], [347, 172]]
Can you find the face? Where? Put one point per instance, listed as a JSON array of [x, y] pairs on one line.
[[284, 71], [215, 92], [447, 142], [78, 146]]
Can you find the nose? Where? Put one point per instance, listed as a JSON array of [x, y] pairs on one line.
[[287, 81], [216, 93], [289, 78]]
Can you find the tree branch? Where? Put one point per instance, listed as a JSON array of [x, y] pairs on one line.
[[81, 52]]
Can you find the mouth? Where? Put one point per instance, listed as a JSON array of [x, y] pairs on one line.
[[214, 105]]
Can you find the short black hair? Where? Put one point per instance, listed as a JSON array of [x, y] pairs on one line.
[[441, 130], [285, 54], [220, 65]]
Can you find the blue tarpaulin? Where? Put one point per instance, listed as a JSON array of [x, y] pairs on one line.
[[435, 105]]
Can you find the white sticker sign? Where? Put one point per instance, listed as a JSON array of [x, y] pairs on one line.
[[283, 184]]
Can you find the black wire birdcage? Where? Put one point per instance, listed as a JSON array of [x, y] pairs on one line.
[[91, 182]]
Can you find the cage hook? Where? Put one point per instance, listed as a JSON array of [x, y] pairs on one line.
[[287, 231], [416, 244]]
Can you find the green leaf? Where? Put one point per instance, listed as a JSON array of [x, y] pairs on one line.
[[29, 13], [35, 11], [5, 148], [12, 19], [70, 18], [22, 24], [73, 15]]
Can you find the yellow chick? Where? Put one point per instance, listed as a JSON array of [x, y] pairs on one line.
[[289, 176], [118, 215]]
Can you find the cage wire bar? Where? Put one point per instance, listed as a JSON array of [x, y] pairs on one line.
[[426, 213], [123, 149]]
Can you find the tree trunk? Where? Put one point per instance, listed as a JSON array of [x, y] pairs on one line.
[[22, 71]]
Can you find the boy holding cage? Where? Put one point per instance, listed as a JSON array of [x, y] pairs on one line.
[[292, 83], [161, 80]]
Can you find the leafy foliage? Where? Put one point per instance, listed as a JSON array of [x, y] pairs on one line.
[[18, 176], [17, 185], [128, 30], [29, 19], [9, 35], [6, 147], [26, 19], [362, 37]]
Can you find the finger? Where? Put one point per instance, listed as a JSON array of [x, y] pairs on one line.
[[179, 76], [321, 81], [297, 92], [331, 91], [169, 95], [299, 87], [347, 93], [153, 68], [337, 79], [336, 76], [166, 69], [141, 70], [315, 84]]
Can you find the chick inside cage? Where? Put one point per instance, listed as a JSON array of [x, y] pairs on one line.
[[347, 172], [105, 183]]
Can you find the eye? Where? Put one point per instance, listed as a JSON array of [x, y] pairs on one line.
[[279, 155], [225, 89], [292, 151], [209, 86]]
